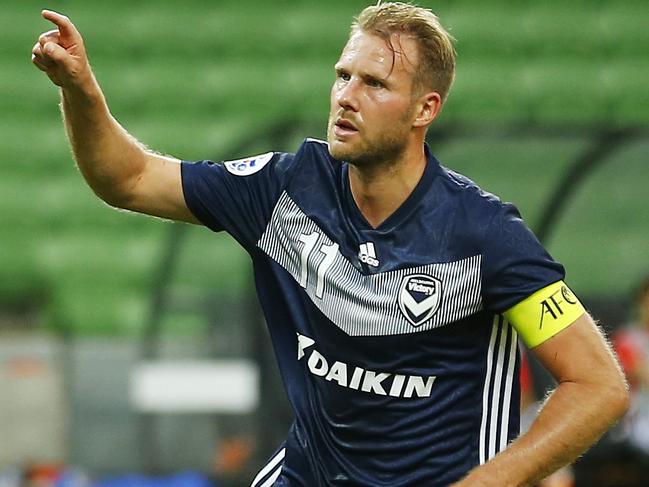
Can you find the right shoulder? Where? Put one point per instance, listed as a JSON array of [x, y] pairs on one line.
[[281, 166], [314, 149], [311, 161]]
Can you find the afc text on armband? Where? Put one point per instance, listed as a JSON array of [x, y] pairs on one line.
[[554, 305]]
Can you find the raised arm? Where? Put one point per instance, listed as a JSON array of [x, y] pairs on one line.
[[118, 168], [590, 396]]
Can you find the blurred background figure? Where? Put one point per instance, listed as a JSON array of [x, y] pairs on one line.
[[621, 458], [631, 343]]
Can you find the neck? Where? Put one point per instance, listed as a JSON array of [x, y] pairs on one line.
[[379, 190]]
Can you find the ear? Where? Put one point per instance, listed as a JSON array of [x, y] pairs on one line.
[[428, 107]]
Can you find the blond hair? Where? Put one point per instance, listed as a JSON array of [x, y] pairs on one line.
[[436, 68]]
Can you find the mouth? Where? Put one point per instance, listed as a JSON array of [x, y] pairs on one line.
[[344, 127]]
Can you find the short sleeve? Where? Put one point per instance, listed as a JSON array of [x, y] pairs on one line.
[[515, 264], [236, 196]]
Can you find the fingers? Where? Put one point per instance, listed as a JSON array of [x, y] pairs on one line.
[[68, 32], [50, 36], [60, 52], [39, 59], [46, 58], [38, 62], [53, 53], [41, 54]]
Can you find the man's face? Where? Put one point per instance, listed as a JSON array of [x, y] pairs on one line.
[[372, 106]]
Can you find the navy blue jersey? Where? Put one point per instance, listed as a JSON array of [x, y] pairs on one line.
[[397, 362]]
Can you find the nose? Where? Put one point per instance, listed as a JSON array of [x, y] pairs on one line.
[[347, 96]]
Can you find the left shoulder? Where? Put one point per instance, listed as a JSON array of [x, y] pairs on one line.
[[469, 190], [476, 203]]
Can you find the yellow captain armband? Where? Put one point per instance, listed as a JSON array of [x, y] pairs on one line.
[[545, 313]]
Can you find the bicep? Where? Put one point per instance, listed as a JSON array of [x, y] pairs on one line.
[[158, 190], [580, 353]]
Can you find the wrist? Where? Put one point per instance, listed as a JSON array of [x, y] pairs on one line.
[[493, 474], [84, 89]]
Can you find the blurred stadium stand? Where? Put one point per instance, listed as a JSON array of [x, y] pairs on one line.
[[546, 92]]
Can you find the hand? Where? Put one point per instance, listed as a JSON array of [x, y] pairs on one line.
[[60, 53]]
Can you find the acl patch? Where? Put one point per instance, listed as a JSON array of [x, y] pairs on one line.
[[249, 165], [545, 313]]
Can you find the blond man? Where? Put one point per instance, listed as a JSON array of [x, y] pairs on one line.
[[394, 289]]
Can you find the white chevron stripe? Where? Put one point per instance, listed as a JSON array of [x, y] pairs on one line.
[[360, 304]]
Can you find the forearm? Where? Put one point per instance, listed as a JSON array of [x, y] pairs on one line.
[[116, 166], [108, 157], [573, 418]]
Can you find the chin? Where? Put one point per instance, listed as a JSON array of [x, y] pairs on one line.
[[356, 154], [342, 153], [337, 149]]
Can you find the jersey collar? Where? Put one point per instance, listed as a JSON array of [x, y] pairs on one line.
[[403, 211]]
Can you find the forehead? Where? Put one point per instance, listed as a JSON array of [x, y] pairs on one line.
[[396, 56]]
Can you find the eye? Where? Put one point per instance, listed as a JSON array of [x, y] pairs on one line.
[[375, 83], [343, 75]]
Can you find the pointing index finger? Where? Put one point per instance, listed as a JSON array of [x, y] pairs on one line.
[[66, 28]]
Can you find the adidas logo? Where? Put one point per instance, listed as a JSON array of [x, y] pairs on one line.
[[367, 254]]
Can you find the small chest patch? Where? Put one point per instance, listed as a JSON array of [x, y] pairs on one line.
[[249, 165], [419, 297]]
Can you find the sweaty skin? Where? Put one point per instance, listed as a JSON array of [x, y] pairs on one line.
[[372, 107], [590, 396], [119, 169], [378, 123]]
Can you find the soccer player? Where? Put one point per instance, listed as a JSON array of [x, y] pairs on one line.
[[394, 289]]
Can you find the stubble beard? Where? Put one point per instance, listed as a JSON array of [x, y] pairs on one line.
[[385, 149]]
